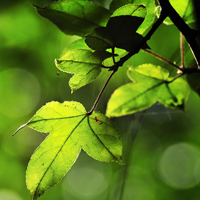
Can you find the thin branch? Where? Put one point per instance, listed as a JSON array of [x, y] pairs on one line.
[[183, 28], [163, 59], [102, 90], [160, 20], [182, 50], [113, 54], [178, 76], [100, 94]]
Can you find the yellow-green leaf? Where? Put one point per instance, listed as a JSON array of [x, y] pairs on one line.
[[69, 130]]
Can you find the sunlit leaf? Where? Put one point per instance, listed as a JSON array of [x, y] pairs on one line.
[[84, 64], [75, 17], [131, 10], [71, 130], [77, 44], [149, 5], [174, 94], [151, 84], [150, 70]]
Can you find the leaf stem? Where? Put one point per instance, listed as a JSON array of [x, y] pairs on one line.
[[100, 94], [163, 15], [163, 59], [178, 76]]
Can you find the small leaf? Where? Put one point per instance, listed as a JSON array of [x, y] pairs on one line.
[[75, 17], [99, 39], [151, 85], [131, 10], [77, 44], [122, 30], [132, 98], [174, 94], [86, 66], [71, 130], [150, 70], [149, 5]]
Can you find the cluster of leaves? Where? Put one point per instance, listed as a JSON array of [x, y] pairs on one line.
[[68, 126]]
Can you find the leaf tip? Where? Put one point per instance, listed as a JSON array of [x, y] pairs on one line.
[[22, 126]]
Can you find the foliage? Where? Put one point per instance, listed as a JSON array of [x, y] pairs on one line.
[[105, 32]]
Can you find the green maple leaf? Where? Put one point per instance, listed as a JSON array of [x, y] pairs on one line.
[[75, 17], [71, 129], [150, 84], [84, 64]]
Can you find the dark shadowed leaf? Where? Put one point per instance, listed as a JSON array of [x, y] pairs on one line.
[[120, 30], [99, 39], [75, 17], [149, 5]]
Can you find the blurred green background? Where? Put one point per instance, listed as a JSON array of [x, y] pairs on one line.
[[163, 161]]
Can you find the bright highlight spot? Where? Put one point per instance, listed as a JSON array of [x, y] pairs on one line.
[[179, 166], [9, 195]]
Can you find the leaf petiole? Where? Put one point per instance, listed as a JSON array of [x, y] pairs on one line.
[[163, 59], [100, 94]]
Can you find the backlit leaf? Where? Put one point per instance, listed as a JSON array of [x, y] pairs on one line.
[[151, 84], [71, 130], [84, 64], [75, 17], [77, 44]]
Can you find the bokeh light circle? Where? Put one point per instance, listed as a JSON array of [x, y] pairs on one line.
[[6, 194], [86, 182], [179, 166], [19, 91]]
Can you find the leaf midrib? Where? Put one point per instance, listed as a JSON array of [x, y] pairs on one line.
[[59, 152]]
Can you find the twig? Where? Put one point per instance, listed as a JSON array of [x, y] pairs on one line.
[[178, 76], [182, 50], [145, 39], [100, 94], [183, 28], [163, 59]]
